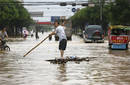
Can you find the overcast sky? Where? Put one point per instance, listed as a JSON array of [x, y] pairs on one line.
[[50, 10]]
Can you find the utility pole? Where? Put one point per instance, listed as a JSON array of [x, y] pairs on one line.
[[101, 10], [100, 2]]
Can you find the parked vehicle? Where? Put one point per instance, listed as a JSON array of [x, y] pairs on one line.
[[118, 36], [68, 31], [93, 33]]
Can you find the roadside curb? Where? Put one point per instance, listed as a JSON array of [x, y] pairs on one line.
[[15, 39]]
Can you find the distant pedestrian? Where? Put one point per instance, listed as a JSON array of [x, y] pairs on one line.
[[36, 35], [62, 37], [24, 34], [3, 35], [42, 31], [31, 33]]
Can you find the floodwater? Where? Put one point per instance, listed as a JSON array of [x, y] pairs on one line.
[[108, 67]]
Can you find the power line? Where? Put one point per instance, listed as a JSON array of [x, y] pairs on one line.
[[40, 3], [83, 3]]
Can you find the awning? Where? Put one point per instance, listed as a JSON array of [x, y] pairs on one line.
[[120, 27]]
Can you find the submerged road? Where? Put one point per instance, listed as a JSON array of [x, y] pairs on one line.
[[108, 67]]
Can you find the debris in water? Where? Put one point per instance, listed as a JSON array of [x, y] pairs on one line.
[[68, 59]]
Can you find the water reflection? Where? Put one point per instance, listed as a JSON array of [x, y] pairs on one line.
[[108, 67], [120, 53], [61, 72], [7, 71], [3, 64]]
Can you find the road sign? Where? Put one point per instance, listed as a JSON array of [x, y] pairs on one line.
[[55, 18], [73, 9]]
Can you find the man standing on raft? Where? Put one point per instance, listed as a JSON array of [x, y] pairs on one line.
[[62, 37]]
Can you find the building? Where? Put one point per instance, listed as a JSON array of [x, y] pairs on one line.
[[20, 0], [108, 1], [36, 14]]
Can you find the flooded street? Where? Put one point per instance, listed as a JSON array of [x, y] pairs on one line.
[[107, 67]]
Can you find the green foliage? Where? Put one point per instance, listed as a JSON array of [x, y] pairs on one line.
[[115, 13], [88, 15], [119, 12], [23, 20], [13, 14]]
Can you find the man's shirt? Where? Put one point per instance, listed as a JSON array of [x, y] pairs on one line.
[[61, 32]]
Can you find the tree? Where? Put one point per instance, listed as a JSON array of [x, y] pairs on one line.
[[88, 15], [114, 12], [7, 12], [14, 15], [119, 12]]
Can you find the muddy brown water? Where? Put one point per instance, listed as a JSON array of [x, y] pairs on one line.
[[109, 67]]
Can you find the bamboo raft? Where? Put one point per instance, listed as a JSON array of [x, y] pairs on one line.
[[76, 60]]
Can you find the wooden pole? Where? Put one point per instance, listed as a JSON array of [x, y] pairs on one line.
[[35, 46]]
